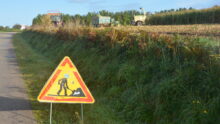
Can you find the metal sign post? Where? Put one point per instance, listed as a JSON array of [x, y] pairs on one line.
[[51, 105], [82, 113]]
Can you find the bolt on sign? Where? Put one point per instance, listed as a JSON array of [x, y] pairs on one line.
[[65, 86]]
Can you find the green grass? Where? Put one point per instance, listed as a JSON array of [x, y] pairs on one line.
[[11, 30], [36, 69], [164, 82]]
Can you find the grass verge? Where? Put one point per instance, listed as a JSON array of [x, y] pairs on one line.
[[36, 69], [135, 79]]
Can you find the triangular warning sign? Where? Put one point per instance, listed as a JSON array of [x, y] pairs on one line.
[[65, 86]]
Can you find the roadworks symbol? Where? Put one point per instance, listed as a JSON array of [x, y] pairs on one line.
[[65, 86]]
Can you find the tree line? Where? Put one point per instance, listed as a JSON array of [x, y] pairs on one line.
[[124, 17], [7, 28], [164, 17]]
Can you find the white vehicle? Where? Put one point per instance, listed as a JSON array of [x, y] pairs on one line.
[[140, 19]]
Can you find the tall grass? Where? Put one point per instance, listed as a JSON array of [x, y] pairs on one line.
[[204, 16], [141, 78]]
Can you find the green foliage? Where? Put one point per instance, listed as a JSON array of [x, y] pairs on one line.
[[37, 20], [8, 29], [124, 17], [43, 20], [137, 79], [2, 28], [17, 26], [164, 17], [177, 10], [36, 69], [191, 16]]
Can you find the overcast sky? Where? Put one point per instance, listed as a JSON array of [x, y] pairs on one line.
[[23, 11]]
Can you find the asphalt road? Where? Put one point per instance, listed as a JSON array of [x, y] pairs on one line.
[[14, 105]]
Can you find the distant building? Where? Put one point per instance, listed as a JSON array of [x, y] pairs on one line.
[[23, 27]]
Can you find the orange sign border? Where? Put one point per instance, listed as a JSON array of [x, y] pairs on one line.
[[51, 99]]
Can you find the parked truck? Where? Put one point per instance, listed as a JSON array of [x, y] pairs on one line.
[[139, 20], [56, 18], [99, 21]]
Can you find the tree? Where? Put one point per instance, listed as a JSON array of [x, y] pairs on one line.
[[7, 27], [2, 28], [17, 26], [45, 20], [42, 20]]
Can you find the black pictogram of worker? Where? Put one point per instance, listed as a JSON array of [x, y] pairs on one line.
[[63, 85]]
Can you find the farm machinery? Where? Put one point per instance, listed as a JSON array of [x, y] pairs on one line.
[[103, 21], [56, 18], [139, 20]]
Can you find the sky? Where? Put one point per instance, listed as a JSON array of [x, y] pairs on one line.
[[23, 11]]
